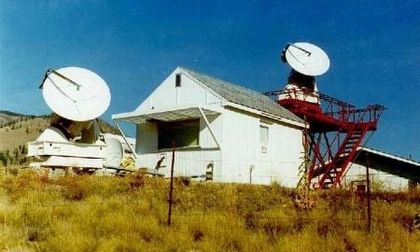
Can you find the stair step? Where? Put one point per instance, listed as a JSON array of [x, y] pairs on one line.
[[328, 184]]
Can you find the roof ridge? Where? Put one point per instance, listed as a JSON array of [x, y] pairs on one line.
[[221, 80]]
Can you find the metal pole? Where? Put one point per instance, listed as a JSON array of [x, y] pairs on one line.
[[125, 139], [171, 186], [369, 212], [61, 76], [251, 168]]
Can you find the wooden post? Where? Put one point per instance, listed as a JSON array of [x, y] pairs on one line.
[[171, 186], [369, 213], [251, 168]]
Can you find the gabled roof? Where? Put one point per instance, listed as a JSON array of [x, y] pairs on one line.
[[242, 96]]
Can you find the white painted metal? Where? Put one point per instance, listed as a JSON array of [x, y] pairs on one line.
[[62, 161], [76, 93], [307, 59], [128, 143], [189, 162], [242, 149], [167, 114], [53, 143], [379, 180], [55, 150], [235, 128], [189, 93], [113, 152]]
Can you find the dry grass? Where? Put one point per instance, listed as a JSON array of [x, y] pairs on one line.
[[129, 214]]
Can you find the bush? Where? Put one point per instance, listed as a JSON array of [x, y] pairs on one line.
[[73, 188]]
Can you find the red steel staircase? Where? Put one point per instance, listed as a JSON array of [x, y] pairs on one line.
[[336, 131]]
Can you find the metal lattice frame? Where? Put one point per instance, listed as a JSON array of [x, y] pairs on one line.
[[336, 131]]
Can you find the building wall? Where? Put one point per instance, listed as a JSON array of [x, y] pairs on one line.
[[378, 179], [237, 133], [191, 161], [189, 93], [243, 151], [188, 162]]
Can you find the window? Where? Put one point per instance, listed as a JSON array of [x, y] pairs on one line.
[[263, 135], [182, 133], [177, 80], [264, 138]]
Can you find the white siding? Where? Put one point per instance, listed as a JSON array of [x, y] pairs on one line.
[[242, 150], [385, 180], [147, 139], [237, 133], [187, 162], [189, 93]]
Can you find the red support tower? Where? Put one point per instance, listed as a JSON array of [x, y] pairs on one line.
[[336, 130]]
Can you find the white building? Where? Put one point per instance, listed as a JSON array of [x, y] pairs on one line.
[[238, 134], [388, 171]]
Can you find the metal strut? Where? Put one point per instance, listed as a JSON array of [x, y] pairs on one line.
[[336, 131]]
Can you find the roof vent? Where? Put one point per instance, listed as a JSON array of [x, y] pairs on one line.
[[178, 80]]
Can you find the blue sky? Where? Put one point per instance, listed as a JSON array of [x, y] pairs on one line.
[[374, 48]]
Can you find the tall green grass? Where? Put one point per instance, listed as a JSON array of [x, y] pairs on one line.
[[88, 213]]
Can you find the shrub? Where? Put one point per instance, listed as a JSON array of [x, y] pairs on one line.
[[73, 187], [137, 180]]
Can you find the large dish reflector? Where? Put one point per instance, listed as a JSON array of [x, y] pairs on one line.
[[76, 93], [307, 59]]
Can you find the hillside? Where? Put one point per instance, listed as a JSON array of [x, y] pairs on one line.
[[21, 130], [16, 130], [7, 117]]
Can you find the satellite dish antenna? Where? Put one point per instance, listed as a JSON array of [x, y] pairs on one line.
[[306, 58], [75, 93]]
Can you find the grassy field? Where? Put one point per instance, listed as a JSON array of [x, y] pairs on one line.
[[82, 213]]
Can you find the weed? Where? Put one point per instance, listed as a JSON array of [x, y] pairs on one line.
[[82, 213]]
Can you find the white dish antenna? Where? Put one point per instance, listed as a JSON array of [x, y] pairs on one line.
[[75, 93], [306, 58]]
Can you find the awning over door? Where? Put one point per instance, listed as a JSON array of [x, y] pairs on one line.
[[166, 115]]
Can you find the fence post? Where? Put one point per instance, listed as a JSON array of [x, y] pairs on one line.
[[171, 186], [369, 213]]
